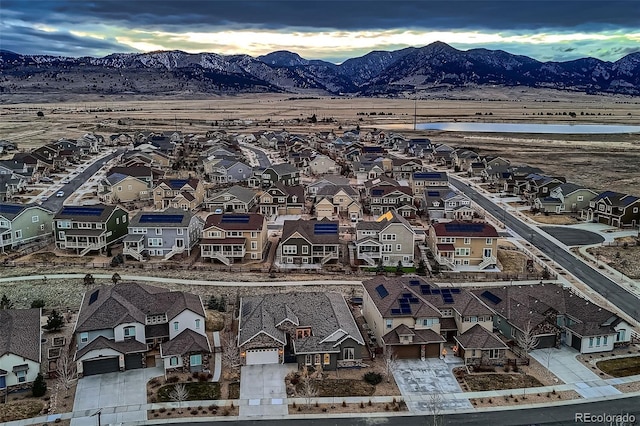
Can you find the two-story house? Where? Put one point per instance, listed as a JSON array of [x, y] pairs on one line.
[[565, 198], [234, 237], [283, 173], [311, 329], [464, 246], [447, 204], [308, 243], [230, 171], [428, 181], [386, 198], [20, 349], [185, 194], [389, 240], [323, 165], [614, 209], [236, 199], [338, 200], [89, 228], [280, 200], [162, 234], [402, 168], [118, 187], [539, 185], [22, 223], [117, 325]]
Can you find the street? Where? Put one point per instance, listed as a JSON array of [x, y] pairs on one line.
[[609, 289]]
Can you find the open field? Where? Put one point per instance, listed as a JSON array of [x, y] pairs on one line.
[[597, 161]]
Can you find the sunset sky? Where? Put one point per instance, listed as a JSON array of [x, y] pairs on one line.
[[332, 30]]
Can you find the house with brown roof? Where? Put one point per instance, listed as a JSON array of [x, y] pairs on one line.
[[310, 329], [231, 237], [464, 246], [385, 198], [118, 325], [185, 194], [479, 346], [20, 349], [614, 209], [281, 200], [417, 317], [308, 243], [554, 315]]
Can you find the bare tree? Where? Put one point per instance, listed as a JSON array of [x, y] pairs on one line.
[[230, 352], [66, 372], [527, 340], [308, 389], [390, 362], [435, 407], [178, 394]]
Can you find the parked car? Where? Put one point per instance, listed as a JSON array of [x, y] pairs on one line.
[[46, 180], [60, 194]]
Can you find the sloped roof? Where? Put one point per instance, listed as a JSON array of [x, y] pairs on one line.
[[185, 342], [478, 337], [167, 218], [420, 336], [465, 229], [20, 333], [241, 193], [306, 229], [101, 342]]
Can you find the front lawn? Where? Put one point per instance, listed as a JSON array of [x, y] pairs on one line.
[[197, 391], [497, 381], [340, 387], [620, 367], [19, 410]]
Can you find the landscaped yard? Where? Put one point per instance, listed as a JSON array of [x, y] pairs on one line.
[[344, 387], [496, 381], [625, 257], [20, 410], [198, 391], [551, 219], [620, 367]]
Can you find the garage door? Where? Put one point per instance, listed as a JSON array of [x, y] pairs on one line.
[[262, 356], [407, 352], [100, 366], [432, 350], [132, 361], [546, 341], [576, 342]]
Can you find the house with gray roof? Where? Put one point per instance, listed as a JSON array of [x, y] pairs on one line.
[[20, 349], [329, 180], [118, 324], [311, 329], [284, 173], [162, 234], [229, 171], [236, 199], [388, 240], [23, 223], [614, 209], [308, 243], [120, 187], [565, 198], [231, 237]]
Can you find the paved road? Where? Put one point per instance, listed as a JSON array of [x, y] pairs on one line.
[[609, 289], [55, 203], [262, 157], [553, 415], [573, 236]]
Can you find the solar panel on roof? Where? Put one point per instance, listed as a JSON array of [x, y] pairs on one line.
[[178, 182], [382, 291], [491, 297], [94, 296], [455, 291], [433, 193], [395, 311], [11, 209], [404, 305], [405, 310], [406, 294], [377, 192], [403, 300], [414, 282], [161, 218], [82, 211], [445, 291], [448, 302], [413, 300], [435, 291], [425, 289], [325, 228], [235, 219], [464, 227]]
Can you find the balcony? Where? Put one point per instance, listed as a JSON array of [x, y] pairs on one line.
[[491, 260]]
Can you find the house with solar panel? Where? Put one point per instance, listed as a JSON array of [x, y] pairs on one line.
[[20, 349], [89, 228], [308, 243], [428, 181], [464, 246], [128, 325], [310, 329], [118, 187], [415, 318], [403, 168], [23, 223], [390, 239], [614, 209], [385, 198], [184, 194], [448, 204], [236, 199], [283, 173], [234, 237], [162, 235]]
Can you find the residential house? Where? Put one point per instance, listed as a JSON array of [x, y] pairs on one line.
[[162, 234], [448, 204], [20, 348], [236, 199], [11, 185], [310, 328], [386, 198], [463, 158], [389, 240], [117, 325], [515, 180], [185, 194], [23, 223], [234, 237], [283, 173], [554, 315], [404, 168], [479, 346], [382, 181], [279, 200], [118, 187], [89, 228], [538, 185], [565, 198], [464, 246], [414, 317], [614, 209], [308, 243], [343, 200], [428, 181], [323, 165], [146, 174], [367, 170], [331, 180], [230, 171]]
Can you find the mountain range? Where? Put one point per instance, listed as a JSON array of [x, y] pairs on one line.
[[378, 73]]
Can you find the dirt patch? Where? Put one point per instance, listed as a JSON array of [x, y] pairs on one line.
[[498, 381], [58, 258], [551, 219], [233, 390], [623, 257], [20, 410], [363, 407], [514, 262], [628, 387], [515, 399], [620, 367]]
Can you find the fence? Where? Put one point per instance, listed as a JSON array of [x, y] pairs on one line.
[[518, 361]]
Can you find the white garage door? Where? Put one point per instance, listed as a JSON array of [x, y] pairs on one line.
[[262, 356]]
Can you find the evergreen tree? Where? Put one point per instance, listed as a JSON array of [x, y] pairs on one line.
[[222, 306], [55, 321], [39, 386], [422, 268], [5, 303], [399, 269], [213, 303]]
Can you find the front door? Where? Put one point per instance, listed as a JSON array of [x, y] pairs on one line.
[[179, 242], [487, 252]]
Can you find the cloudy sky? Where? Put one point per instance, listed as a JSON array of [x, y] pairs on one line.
[[332, 30]]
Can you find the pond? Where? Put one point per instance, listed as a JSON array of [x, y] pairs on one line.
[[587, 129]]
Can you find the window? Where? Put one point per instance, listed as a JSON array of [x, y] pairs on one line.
[[22, 376], [305, 249], [254, 246], [598, 341], [19, 234], [604, 340], [388, 237], [348, 353], [197, 324], [64, 224], [254, 234], [158, 231], [635, 210], [389, 323], [42, 227], [467, 240], [155, 242], [176, 326], [318, 359], [494, 353], [173, 361], [463, 251], [620, 336], [195, 359], [386, 248], [119, 188], [590, 342], [327, 359], [428, 322], [308, 359], [117, 221], [180, 231], [289, 249], [129, 331], [489, 240], [84, 337], [35, 219], [398, 247], [580, 198]]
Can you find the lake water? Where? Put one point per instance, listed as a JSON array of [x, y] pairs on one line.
[[587, 129]]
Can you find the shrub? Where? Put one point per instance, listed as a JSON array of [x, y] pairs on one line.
[[344, 403], [324, 409], [173, 379], [369, 403], [202, 377], [295, 381], [194, 412], [490, 401], [361, 404], [299, 408], [39, 386], [373, 378], [195, 374], [293, 404], [37, 303], [386, 407], [162, 409], [226, 412], [396, 408], [507, 368]]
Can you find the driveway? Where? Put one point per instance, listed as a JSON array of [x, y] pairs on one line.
[[573, 236], [418, 379], [563, 363], [126, 389], [263, 386]]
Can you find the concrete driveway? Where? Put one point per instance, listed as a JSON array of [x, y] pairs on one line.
[[573, 236], [563, 363], [126, 389], [418, 379], [263, 386]]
